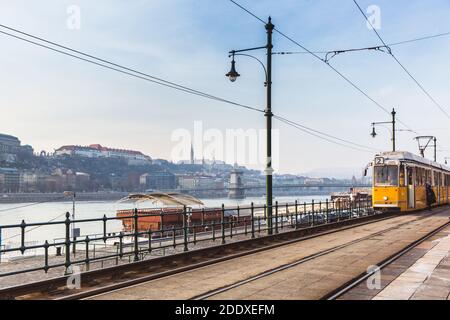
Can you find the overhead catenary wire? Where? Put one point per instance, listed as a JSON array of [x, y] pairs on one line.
[[122, 69], [323, 136], [303, 127], [368, 48], [127, 71], [34, 228], [30, 204], [402, 65], [354, 85]]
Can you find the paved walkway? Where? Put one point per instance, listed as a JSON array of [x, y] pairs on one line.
[[428, 278], [309, 280]]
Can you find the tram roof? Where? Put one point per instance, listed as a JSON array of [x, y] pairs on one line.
[[405, 155]]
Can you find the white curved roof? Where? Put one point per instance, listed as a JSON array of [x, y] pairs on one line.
[[404, 155], [172, 198]]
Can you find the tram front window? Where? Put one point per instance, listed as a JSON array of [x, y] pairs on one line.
[[386, 176]]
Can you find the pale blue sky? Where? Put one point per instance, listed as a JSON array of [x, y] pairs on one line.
[[48, 100]]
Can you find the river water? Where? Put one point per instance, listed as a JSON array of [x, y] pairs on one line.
[[14, 213]]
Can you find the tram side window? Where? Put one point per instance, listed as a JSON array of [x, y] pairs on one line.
[[402, 175], [428, 178], [437, 178], [386, 176], [410, 173], [419, 176]]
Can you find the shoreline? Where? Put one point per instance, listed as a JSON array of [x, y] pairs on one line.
[[18, 198]]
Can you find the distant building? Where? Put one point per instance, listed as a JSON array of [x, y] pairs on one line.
[[199, 182], [158, 181], [98, 151], [9, 180], [10, 148]]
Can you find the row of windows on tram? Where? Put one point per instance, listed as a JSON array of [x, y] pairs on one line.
[[410, 175]]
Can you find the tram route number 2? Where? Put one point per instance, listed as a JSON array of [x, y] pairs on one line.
[[379, 161]]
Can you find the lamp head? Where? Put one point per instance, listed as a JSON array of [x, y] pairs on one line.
[[233, 74], [374, 133]]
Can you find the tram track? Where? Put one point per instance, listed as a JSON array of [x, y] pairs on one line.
[[270, 272], [112, 279], [346, 288]]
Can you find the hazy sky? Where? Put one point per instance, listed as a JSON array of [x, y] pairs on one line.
[[49, 100]]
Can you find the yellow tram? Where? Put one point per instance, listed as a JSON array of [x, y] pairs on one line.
[[399, 180]]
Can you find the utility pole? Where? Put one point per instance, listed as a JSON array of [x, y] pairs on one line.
[[393, 129], [435, 149], [374, 133], [268, 114], [233, 75]]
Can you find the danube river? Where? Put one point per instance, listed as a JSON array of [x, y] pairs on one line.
[[55, 211]]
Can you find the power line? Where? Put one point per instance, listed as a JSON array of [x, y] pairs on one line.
[[37, 227], [367, 48], [400, 64], [323, 136], [115, 67], [30, 204], [324, 61], [322, 133]]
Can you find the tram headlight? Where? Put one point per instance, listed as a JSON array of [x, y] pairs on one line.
[[386, 198]]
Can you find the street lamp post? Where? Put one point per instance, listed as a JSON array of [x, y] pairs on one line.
[[393, 122], [233, 75]]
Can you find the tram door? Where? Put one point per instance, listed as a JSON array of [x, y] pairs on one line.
[[411, 192]]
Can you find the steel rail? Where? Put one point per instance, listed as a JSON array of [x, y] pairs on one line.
[[139, 281], [45, 286], [300, 261], [363, 277]]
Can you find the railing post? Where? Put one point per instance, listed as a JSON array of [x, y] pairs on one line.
[[304, 212], [46, 267], [359, 208], [120, 244], [67, 243], [174, 237], [104, 227], [136, 235], [265, 219], [23, 225], [222, 221], [87, 253], [287, 215], [276, 217], [339, 210], [149, 240], [185, 229], [253, 220], [320, 210], [327, 216], [312, 211], [195, 234], [296, 214]]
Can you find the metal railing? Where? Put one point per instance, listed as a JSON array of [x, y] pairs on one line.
[[183, 228]]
